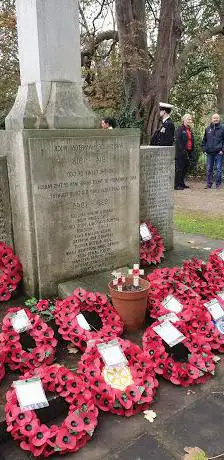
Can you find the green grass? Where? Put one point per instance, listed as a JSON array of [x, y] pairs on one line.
[[193, 222]]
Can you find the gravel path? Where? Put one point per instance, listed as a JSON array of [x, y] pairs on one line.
[[200, 200]]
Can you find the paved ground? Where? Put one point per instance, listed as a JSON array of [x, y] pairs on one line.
[[198, 199], [184, 418]]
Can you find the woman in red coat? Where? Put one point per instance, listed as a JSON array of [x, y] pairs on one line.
[[184, 151]]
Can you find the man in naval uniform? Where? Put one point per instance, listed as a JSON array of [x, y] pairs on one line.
[[165, 134]]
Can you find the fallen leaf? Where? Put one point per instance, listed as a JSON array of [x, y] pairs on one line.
[[207, 249], [72, 350], [191, 242], [190, 392], [149, 415], [194, 453]]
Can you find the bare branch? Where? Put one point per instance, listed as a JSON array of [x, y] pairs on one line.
[[85, 25], [94, 42], [97, 16]]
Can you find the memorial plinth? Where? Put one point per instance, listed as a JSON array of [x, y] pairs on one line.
[[157, 169], [5, 206], [75, 203]]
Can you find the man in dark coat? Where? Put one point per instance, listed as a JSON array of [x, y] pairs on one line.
[[184, 151], [165, 134], [213, 146]]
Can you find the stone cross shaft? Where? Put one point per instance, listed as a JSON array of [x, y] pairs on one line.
[[136, 272], [50, 95]]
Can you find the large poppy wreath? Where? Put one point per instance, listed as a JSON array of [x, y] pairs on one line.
[[73, 433], [205, 279], [122, 391], [152, 251], [203, 325], [10, 272], [185, 364], [42, 352], [159, 291], [83, 301]]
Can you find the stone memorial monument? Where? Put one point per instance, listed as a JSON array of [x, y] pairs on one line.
[[157, 169], [5, 206], [74, 188]]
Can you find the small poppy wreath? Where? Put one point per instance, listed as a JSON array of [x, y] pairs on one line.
[[10, 270], [81, 301], [193, 364], [139, 376], [215, 261], [73, 433], [160, 289], [15, 356], [152, 251]]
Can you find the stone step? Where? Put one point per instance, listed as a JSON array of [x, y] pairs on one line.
[[92, 282]]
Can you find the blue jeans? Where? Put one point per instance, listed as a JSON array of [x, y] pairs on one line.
[[214, 160]]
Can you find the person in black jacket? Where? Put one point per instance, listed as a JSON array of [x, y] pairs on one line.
[[165, 134], [213, 146], [184, 151]]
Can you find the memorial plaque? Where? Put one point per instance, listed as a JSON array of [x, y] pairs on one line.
[[85, 194], [5, 207], [157, 168]]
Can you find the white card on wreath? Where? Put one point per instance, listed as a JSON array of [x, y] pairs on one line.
[[221, 255], [20, 321], [82, 322], [169, 317], [112, 354], [30, 394], [214, 309], [145, 233], [172, 304], [169, 333], [221, 294]]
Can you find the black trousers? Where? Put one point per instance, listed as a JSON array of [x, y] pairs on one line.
[[181, 169]]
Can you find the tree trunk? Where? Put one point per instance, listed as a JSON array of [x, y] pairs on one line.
[[131, 22], [169, 33]]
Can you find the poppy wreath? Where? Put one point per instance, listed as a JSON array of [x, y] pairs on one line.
[[73, 433], [152, 251], [141, 381], [203, 325], [81, 301], [202, 277], [10, 270], [195, 365], [15, 356], [160, 289]]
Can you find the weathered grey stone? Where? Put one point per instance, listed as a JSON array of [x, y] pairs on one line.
[[75, 201], [5, 206], [157, 168], [96, 281], [50, 95]]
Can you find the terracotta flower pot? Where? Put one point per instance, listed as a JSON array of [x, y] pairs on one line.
[[131, 305]]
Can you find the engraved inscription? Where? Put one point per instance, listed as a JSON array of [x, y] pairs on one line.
[[5, 209], [86, 205], [156, 189]]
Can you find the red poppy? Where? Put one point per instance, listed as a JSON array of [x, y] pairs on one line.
[[74, 423]]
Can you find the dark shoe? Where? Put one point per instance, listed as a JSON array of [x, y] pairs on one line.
[[208, 186], [219, 186], [186, 186], [179, 188]]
